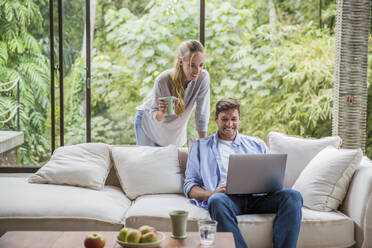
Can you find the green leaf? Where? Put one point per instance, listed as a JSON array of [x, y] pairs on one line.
[[3, 53], [148, 52], [227, 82], [30, 43], [150, 68]]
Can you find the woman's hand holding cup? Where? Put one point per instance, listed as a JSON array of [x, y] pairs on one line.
[[162, 105]]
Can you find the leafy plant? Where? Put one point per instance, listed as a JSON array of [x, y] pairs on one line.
[[293, 79], [21, 60], [283, 77]]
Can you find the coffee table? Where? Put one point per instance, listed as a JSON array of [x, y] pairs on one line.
[[51, 239]]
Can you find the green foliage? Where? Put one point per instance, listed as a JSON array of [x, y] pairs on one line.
[[21, 59], [73, 20], [138, 8], [289, 86], [283, 79], [286, 87], [113, 102], [74, 104], [124, 70], [296, 12]]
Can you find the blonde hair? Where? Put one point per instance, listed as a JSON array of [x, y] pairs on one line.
[[178, 77]]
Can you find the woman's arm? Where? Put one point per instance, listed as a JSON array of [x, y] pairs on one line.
[[202, 110]]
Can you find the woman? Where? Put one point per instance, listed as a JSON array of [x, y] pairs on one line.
[[190, 84]]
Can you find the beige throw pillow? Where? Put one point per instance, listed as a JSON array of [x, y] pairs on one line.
[[85, 165], [148, 170], [300, 151], [324, 182]]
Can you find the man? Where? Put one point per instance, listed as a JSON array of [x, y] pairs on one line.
[[205, 181]]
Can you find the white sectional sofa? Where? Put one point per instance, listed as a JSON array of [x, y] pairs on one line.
[[29, 206]]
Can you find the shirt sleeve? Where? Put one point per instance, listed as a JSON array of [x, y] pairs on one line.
[[157, 93], [192, 174], [203, 105], [264, 148]]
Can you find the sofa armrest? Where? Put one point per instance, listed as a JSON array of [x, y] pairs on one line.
[[358, 203]]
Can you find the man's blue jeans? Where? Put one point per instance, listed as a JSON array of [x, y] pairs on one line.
[[286, 203]]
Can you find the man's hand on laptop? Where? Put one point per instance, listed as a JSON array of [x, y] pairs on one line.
[[220, 189]]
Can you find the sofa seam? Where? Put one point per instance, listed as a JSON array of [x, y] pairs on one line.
[[58, 218]]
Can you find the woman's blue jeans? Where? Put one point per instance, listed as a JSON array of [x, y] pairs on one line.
[[286, 203], [141, 137]]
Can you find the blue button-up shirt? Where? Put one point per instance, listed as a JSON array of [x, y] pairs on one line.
[[204, 162]]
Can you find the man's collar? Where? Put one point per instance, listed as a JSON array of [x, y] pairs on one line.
[[236, 141]]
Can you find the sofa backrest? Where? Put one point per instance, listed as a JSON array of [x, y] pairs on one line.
[[113, 179]]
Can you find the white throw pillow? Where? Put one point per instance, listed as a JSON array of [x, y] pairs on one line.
[[324, 182], [148, 170], [85, 165], [300, 151]]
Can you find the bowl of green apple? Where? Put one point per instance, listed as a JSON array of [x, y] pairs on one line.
[[144, 237]]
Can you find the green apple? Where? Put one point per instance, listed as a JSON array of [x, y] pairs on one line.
[[149, 237], [123, 234], [133, 236], [146, 229], [95, 240]]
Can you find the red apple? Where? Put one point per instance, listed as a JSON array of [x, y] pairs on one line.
[[95, 240], [146, 229], [149, 237]]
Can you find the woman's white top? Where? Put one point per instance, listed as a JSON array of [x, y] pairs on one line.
[[172, 129]]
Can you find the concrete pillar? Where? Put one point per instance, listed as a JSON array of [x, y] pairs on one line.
[[9, 143]]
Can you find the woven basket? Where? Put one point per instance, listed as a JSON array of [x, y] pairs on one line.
[[351, 63]]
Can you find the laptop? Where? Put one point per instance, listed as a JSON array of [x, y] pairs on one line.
[[255, 173]]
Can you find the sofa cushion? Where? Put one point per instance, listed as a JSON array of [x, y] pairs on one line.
[[148, 170], [318, 229], [41, 201], [300, 151], [324, 181], [154, 210], [112, 178], [85, 165]]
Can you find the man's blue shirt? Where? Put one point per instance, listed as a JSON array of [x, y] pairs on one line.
[[204, 162]]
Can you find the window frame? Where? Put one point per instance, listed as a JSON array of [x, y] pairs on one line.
[[58, 68]]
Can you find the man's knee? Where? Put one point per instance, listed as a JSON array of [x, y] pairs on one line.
[[217, 200]]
